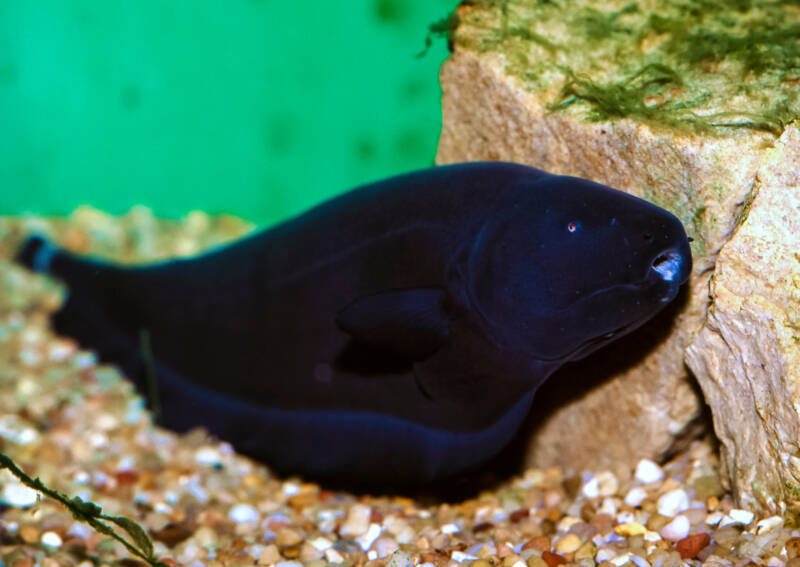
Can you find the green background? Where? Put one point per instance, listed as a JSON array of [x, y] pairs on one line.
[[256, 108]]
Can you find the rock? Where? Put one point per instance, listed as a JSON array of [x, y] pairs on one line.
[[521, 97], [746, 358], [503, 99]]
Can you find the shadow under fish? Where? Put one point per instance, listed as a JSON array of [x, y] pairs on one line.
[[391, 336]]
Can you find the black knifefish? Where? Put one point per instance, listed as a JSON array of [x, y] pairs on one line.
[[395, 334]]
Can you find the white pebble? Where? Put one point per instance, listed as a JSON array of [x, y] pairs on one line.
[[400, 559], [460, 557], [635, 497], [673, 502], [333, 556], [651, 536], [608, 507], [677, 529], [450, 529], [647, 471], [372, 555], [290, 489], [320, 543], [51, 539], [736, 516], [769, 524], [714, 518], [639, 561], [741, 516], [366, 540], [243, 514], [775, 562], [207, 456], [621, 560], [385, 546], [626, 517], [602, 484], [288, 564], [605, 554], [19, 495], [357, 520]]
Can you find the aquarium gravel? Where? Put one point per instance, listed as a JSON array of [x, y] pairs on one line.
[[83, 431]]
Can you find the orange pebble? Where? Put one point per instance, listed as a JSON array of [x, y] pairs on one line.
[[691, 545], [553, 559]]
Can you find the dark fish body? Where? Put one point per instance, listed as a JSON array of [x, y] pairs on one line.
[[395, 334]]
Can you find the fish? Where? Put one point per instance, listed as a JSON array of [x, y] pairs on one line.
[[393, 335]]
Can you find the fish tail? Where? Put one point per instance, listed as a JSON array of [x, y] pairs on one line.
[[89, 313], [37, 254]]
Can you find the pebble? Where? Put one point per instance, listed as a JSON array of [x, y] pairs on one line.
[[677, 529], [450, 529], [630, 529], [635, 496], [793, 547], [287, 537], [457, 556], [243, 514], [333, 556], [208, 456], [357, 521], [539, 543], [366, 539], [605, 554], [673, 502], [648, 472], [536, 561], [768, 524], [738, 516], [404, 559], [321, 543], [385, 546], [553, 559], [269, 555], [690, 546], [18, 495], [51, 539], [568, 544], [601, 485]]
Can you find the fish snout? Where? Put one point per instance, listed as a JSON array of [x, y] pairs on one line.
[[672, 266]]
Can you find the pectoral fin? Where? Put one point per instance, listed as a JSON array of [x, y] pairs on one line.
[[410, 323]]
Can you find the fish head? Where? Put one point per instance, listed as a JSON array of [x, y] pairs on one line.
[[563, 265]]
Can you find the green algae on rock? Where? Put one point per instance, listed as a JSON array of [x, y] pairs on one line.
[[687, 65]]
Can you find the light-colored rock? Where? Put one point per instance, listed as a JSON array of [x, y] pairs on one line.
[[747, 357], [500, 86]]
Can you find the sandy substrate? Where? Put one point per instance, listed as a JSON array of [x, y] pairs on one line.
[[84, 432]]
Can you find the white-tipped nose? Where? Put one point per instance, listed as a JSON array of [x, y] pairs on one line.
[[668, 265]]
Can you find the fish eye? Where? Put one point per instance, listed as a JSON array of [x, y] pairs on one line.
[[573, 226]]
